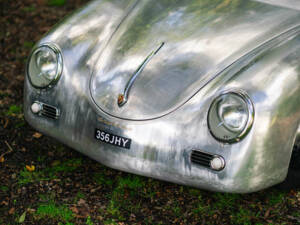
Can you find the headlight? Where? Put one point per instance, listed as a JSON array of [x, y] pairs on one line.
[[230, 116], [44, 66]]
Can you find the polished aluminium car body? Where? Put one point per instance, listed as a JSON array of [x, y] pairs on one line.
[[150, 70]]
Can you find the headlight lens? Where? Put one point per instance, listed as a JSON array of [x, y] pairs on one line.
[[232, 112], [44, 66], [231, 116]]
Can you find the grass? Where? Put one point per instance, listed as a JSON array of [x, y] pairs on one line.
[[242, 216], [124, 197], [131, 182], [126, 194], [275, 198], [4, 188], [56, 2], [26, 177], [29, 9], [68, 166], [13, 110], [225, 200], [102, 179], [53, 211], [50, 173], [89, 221], [28, 44]]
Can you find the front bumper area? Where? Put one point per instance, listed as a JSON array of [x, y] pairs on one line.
[[160, 148]]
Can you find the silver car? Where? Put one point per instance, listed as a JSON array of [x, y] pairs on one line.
[[203, 93]]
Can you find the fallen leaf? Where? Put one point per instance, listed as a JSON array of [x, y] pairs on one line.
[[11, 211], [81, 202], [74, 210], [30, 168], [22, 217], [37, 135], [267, 213], [4, 203], [2, 160], [31, 210]]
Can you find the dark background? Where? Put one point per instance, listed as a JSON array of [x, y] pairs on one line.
[[45, 182]]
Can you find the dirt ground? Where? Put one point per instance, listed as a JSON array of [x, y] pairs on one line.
[[45, 182]]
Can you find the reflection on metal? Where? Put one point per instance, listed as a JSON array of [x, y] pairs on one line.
[[123, 98], [292, 4], [201, 43], [212, 46], [297, 142]]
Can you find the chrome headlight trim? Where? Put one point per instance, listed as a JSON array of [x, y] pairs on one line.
[[230, 136], [59, 69]]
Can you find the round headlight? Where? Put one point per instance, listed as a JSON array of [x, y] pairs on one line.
[[231, 116], [44, 66]]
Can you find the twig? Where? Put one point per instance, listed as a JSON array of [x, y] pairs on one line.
[[9, 151], [6, 123]]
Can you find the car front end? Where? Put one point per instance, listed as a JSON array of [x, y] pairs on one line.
[[188, 93]]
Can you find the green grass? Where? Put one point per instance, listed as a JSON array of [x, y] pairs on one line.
[[79, 196], [4, 188], [28, 44], [114, 209], [242, 216], [225, 201], [26, 177], [50, 173], [124, 198], [13, 110], [132, 182], [194, 192], [275, 198], [29, 9], [110, 222], [176, 209], [53, 211], [89, 221], [68, 166], [199, 209], [102, 179], [56, 2]]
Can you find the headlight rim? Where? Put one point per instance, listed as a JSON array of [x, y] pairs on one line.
[[251, 114], [59, 69]]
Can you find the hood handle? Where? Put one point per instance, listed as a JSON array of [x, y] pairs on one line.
[[123, 98]]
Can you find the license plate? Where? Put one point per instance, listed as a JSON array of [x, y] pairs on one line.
[[112, 139]]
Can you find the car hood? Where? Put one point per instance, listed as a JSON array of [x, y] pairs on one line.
[[193, 41]]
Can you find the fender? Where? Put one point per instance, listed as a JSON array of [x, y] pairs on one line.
[[272, 80]]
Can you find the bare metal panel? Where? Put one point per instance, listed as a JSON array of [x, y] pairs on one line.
[[201, 39], [220, 46], [291, 4]]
